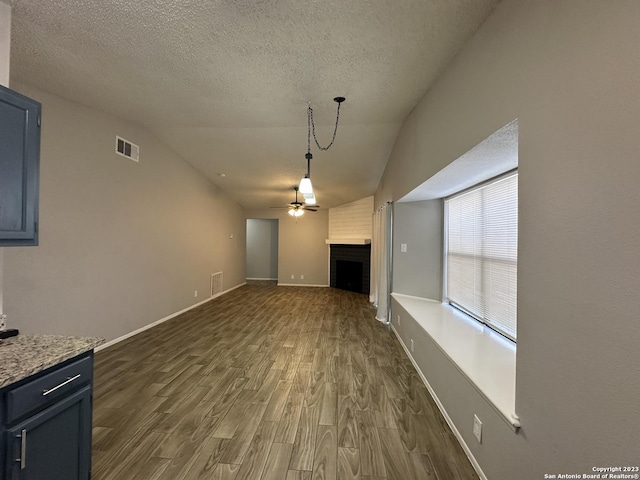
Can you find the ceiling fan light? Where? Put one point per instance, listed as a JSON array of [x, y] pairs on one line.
[[296, 212], [305, 186]]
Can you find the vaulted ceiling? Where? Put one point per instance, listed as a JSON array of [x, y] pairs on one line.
[[226, 83]]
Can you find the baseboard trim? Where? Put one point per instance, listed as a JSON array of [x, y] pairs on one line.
[[301, 285], [162, 320], [261, 279], [454, 429]]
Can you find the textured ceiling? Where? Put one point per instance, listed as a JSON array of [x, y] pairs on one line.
[[226, 83], [495, 155]]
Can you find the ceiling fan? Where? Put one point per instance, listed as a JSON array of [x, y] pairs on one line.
[[297, 208]]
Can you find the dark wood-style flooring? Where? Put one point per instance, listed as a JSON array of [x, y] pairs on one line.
[[266, 382]]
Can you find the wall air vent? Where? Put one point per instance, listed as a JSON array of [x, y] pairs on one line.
[[127, 149], [216, 284]]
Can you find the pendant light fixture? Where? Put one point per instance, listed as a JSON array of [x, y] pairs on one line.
[[310, 200], [306, 188]]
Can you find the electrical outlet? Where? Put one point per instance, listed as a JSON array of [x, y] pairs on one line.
[[412, 345], [477, 428], [403, 248], [293, 277], [301, 277], [195, 293], [398, 319]]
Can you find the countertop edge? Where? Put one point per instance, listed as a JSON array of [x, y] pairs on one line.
[[38, 363]]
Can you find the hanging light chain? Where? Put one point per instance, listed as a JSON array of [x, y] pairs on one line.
[[313, 128], [309, 119]]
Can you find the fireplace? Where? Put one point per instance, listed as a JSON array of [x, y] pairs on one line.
[[350, 267], [349, 275]]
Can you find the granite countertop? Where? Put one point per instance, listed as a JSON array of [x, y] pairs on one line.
[[24, 355]]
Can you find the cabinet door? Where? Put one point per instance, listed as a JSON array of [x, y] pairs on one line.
[[19, 168], [55, 444]]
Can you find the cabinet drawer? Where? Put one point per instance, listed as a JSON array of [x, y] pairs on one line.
[[48, 388]]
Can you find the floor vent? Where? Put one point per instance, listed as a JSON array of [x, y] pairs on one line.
[[216, 284], [127, 149]]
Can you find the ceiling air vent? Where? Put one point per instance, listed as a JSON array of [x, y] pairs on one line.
[[127, 149]]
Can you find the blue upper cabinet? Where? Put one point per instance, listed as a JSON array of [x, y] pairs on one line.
[[19, 168]]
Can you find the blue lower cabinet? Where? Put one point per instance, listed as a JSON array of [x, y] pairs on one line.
[[52, 441], [54, 444]]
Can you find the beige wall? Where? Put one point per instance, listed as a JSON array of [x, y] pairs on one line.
[[5, 47], [301, 246], [418, 271], [5, 42], [122, 244], [262, 249], [569, 70]]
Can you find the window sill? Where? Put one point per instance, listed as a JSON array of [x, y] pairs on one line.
[[485, 357]]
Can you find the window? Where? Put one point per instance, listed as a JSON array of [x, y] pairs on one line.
[[481, 241]]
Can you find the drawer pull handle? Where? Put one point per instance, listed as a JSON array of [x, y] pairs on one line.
[[23, 449], [68, 380]]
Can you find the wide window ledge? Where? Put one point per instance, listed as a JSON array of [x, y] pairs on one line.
[[485, 357]]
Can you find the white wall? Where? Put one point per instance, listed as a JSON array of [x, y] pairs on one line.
[[301, 246], [569, 70], [352, 220], [122, 244], [262, 249]]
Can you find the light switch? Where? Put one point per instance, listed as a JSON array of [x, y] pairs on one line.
[[403, 248]]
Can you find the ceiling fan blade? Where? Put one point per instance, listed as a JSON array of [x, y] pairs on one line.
[[291, 205], [298, 205]]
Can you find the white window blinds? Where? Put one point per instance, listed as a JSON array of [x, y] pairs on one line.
[[482, 253]]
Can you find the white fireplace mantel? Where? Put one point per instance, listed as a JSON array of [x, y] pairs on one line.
[[348, 241]]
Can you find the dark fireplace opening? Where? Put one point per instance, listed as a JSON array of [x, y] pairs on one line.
[[349, 275], [350, 267]]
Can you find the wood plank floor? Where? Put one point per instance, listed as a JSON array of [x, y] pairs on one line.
[[269, 383]]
